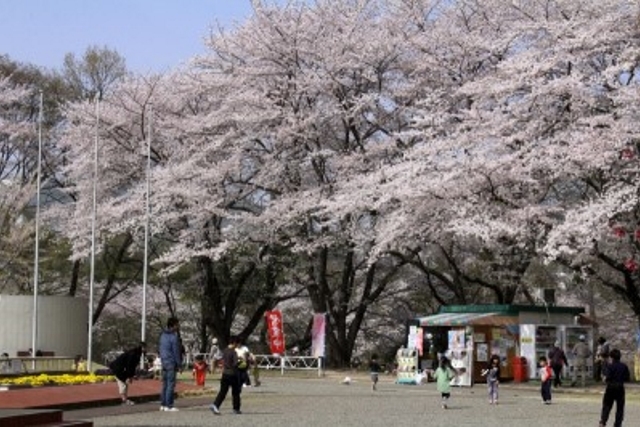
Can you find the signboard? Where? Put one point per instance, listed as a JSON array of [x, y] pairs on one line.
[[411, 339], [318, 335], [419, 341], [275, 331]]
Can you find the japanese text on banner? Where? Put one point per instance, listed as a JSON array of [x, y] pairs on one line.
[[275, 331]]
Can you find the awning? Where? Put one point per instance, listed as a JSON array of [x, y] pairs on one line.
[[464, 319]]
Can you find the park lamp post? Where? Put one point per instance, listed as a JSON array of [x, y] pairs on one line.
[[143, 334], [92, 272], [34, 325]]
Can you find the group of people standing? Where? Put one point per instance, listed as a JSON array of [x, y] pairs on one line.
[[608, 368], [581, 353], [236, 360]]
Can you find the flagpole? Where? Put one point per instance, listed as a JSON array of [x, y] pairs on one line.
[[34, 333], [146, 232], [93, 236]]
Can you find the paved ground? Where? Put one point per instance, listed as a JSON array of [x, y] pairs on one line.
[[289, 401]]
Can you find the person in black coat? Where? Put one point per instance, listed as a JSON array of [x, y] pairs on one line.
[[614, 374], [124, 369], [557, 359], [230, 378]]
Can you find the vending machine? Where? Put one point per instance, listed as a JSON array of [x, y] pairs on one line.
[[536, 341], [461, 355]]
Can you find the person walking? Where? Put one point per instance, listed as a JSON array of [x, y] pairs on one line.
[[443, 376], [493, 378], [602, 355], [256, 373], [545, 380], [171, 358], [230, 379], [214, 355], [615, 374], [581, 352], [124, 369], [374, 371], [558, 360]]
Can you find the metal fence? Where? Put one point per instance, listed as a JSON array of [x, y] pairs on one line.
[[33, 365], [267, 361], [286, 363]]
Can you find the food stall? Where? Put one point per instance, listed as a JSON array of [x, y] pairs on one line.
[[518, 334]]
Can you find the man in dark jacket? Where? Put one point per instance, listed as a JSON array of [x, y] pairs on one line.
[[171, 358], [124, 369], [615, 374], [230, 378], [558, 360]]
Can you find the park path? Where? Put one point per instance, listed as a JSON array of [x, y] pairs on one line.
[[285, 401]]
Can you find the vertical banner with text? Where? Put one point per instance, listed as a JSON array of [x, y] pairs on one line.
[[411, 339], [275, 331], [318, 335], [419, 340]]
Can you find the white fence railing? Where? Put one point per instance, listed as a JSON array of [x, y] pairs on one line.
[[283, 363]]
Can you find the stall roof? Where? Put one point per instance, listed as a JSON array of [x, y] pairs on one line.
[[463, 319], [510, 309]]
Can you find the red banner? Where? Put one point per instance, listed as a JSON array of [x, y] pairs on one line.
[[275, 331]]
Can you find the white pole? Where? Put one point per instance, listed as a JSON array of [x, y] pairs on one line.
[[93, 236], [34, 333], [146, 233]]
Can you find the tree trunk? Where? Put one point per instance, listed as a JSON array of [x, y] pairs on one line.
[[75, 277]]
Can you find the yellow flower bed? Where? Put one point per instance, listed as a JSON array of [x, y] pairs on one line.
[[66, 379]]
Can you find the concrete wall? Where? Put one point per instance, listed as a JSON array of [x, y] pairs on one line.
[[62, 324]]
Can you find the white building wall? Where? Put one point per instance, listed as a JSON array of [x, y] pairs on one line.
[[62, 324]]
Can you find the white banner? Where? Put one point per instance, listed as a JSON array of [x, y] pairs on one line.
[[318, 335], [412, 338]]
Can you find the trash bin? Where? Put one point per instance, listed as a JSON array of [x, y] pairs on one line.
[[520, 370]]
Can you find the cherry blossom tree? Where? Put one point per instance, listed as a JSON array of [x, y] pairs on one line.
[[20, 86], [325, 93], [327, 146], [526, 103], [15, 130]]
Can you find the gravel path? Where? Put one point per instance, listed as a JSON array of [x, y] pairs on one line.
[[289, 401]]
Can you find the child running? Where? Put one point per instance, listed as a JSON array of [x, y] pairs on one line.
[[546, 374], [200, 370], [374, 370], [443, 376], [493, 378]]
